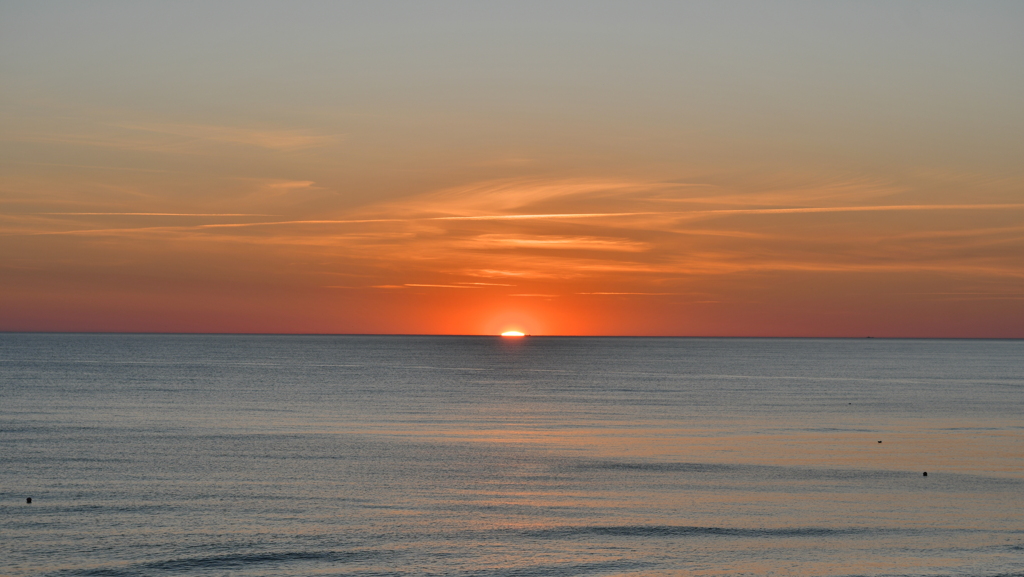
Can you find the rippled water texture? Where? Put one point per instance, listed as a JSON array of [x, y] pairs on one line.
[[356, 455]]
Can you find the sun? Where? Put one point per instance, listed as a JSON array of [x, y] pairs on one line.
[[512, 334]]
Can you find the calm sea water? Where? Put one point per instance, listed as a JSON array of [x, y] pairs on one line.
[[357, 455]]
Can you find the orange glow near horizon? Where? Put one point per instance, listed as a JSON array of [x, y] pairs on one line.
[[513, 334], [396, 267]]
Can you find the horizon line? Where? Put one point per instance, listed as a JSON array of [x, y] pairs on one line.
[[271, 334]]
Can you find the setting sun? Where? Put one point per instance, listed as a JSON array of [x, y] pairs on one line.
[[512, 334]]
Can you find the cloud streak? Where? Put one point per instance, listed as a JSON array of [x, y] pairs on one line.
[[272, 139], [552, 216], [202, 214]]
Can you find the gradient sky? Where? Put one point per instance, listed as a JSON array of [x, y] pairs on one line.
[[661, 168]]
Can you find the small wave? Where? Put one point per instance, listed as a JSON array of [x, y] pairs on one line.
[[233, 561], [782, 473], [657, 467], [557, 570], [691, 531]]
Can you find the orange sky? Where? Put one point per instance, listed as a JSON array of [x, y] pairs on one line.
[[736, 169]]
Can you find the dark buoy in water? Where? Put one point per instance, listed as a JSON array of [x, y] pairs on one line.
[[925, 474], [29, 500]]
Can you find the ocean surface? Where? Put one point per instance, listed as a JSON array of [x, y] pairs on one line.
[[159, 455]]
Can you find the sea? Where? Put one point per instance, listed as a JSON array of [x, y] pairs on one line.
[[265, 455]]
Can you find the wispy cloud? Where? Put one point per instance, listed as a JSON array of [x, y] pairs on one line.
[[456, 286], [273, 139], [202, 214], [878, 208], [289, 184], [497, 241], [566, 216], [181, 138], [505, 198], [630, 293], [557, 215], [510, 274], [91, 166]]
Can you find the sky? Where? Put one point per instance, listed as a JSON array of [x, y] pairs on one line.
[[839, 169]]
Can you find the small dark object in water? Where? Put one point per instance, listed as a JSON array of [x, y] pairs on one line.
[[925, 474], [879, 441], [28, 500]]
